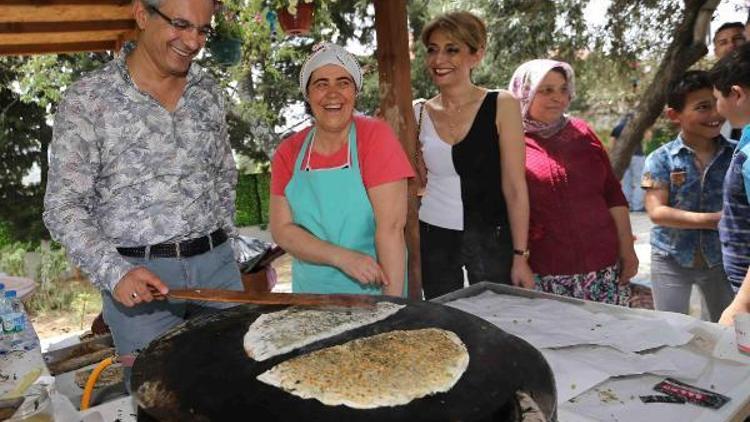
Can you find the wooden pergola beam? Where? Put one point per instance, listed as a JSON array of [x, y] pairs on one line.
[[47, 48], [394, 69], [64, 26], [64, 10], [61, 26], [62, 38]]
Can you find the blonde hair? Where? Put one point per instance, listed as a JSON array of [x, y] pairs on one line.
[[462, 26]]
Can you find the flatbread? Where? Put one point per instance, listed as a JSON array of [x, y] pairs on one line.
[[280, 332], [388, 369]]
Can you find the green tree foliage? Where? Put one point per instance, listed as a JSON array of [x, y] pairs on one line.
[[609, 60], [24, 136], [30, 89]]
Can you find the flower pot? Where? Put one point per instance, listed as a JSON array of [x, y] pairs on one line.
[[298, 24], [226, 51]]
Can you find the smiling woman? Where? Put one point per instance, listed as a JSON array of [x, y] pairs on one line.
[[331, 92], [338, 189], [580, 237], [475, 209]]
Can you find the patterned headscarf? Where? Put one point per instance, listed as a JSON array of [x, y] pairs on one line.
[[523, 85], [328, 53]]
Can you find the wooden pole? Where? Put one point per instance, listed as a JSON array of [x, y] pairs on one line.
[[394, 72]]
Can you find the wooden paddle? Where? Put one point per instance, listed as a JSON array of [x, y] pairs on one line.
[[301, 299]]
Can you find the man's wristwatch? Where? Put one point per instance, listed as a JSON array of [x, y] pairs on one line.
[[524, 253]]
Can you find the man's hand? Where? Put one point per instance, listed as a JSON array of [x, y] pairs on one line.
[[628, 265], [521, 274], [137, 286], [361, 267]]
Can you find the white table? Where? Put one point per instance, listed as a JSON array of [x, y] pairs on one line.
[[726, 370], [16, 365]]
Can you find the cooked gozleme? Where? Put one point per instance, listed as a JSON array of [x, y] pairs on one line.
[[388, 369], [280, 332]]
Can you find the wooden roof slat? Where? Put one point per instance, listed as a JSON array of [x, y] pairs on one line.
[[65, 2], [63, 37], [59, 26], [64, 26], [46, 48], [64, 10]]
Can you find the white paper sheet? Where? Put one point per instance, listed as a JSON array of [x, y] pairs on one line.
[[579, 368], [571, 377], [618, 399], [690, 365], [603, 381], [548, 323]]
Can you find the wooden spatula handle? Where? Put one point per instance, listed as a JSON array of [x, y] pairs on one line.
[[302, 299]]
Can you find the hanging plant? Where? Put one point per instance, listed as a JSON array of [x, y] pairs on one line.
[[291, 6], [295, 16], [226, 45]]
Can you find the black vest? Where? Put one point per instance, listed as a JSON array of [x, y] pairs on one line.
[[477, 161]]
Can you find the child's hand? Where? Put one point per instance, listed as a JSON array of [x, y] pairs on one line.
[[736, 307]]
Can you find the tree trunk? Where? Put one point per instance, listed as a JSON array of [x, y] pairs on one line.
[[395, 104], [687, 47]]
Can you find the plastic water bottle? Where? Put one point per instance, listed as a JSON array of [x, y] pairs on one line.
[[14, 319], [14, 324]]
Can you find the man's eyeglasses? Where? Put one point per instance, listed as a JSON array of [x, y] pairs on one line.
[[185, 25]]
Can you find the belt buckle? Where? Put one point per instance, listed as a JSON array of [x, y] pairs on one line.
[[177, 249]]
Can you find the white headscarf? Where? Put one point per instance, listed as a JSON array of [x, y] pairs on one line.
[[327, 53], [525, 82]]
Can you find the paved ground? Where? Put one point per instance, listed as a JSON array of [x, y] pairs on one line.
[[256, 231], [642, 231]]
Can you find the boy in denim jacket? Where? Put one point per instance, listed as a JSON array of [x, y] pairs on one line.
[[683, 181], [731, 80]]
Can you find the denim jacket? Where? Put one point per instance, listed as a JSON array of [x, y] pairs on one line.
[[673, 166], [734, 226]]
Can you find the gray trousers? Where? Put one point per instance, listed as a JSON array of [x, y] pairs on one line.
[[673, 283], [133, 328]]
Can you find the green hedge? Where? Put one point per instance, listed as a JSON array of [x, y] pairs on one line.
[[6, 237], [253, 195]]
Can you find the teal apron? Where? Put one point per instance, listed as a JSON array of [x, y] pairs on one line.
[[333, 205]]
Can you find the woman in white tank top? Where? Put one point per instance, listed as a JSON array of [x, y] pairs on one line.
[[473, 156]]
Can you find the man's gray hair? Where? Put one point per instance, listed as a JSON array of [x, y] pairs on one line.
[[157, 3]]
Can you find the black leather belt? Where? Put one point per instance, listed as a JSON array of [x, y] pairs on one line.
[[190, 247]]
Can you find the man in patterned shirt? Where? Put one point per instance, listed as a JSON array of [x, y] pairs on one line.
[[141, 179]]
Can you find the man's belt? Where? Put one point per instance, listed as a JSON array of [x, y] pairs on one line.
[[190, 247]]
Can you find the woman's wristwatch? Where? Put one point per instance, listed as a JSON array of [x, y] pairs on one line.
[[524, 253]]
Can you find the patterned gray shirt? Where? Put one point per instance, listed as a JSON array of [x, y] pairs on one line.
[[124, 171]]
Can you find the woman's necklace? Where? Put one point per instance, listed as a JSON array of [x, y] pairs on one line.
[[454, 118], [323, 150]]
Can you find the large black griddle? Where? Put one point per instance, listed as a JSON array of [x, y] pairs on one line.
[[203, 373]]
